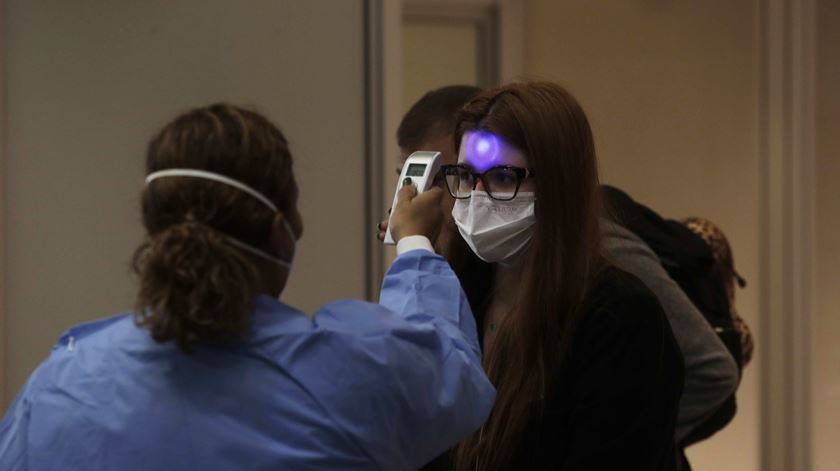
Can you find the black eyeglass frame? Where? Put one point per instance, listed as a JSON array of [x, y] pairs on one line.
[[521, 173]]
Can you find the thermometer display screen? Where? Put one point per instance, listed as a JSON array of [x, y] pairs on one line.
[[416, 170]]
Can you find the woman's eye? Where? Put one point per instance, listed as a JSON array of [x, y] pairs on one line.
[[503, 177]]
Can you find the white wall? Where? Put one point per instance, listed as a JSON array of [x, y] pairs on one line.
[[87, 83], [671, 92]]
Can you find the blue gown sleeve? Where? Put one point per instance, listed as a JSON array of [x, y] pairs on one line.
[[409, 383], [14, 431]]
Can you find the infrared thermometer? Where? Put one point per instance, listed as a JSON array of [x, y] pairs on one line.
[[421, 167]]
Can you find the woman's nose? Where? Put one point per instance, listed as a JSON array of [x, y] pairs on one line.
[[479, 185]]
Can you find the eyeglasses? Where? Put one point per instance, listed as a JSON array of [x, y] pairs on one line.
[[501, 182]]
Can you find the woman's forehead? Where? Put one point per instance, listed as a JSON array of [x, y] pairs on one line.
[[483, 150]]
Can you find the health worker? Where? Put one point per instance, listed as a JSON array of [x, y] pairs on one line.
[[212, 371]]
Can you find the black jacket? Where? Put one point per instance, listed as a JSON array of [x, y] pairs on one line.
[[613, 405]]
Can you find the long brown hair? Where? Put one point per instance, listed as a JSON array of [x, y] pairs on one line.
[[548, 125], [195, 288]]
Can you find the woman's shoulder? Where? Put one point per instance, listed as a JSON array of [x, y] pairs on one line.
[[94, 335], [621, 320], [84, 351], [618, 297]]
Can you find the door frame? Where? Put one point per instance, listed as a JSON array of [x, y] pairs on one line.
[[384, 97], [787, 112], [3, 87]]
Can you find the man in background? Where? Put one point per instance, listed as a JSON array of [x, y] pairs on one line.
[[429, 125]]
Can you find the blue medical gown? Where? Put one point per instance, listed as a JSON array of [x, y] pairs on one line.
[[360, 386]]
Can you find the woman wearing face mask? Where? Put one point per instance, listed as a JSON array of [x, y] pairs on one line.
[[586, 367], [212, 371]]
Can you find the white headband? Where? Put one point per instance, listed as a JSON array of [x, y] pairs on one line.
[[188, 172]]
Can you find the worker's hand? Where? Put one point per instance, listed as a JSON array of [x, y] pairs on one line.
[[416, 214], [381, 229]]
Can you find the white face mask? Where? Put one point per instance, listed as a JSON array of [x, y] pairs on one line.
[[194, 173], [497, 231]]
